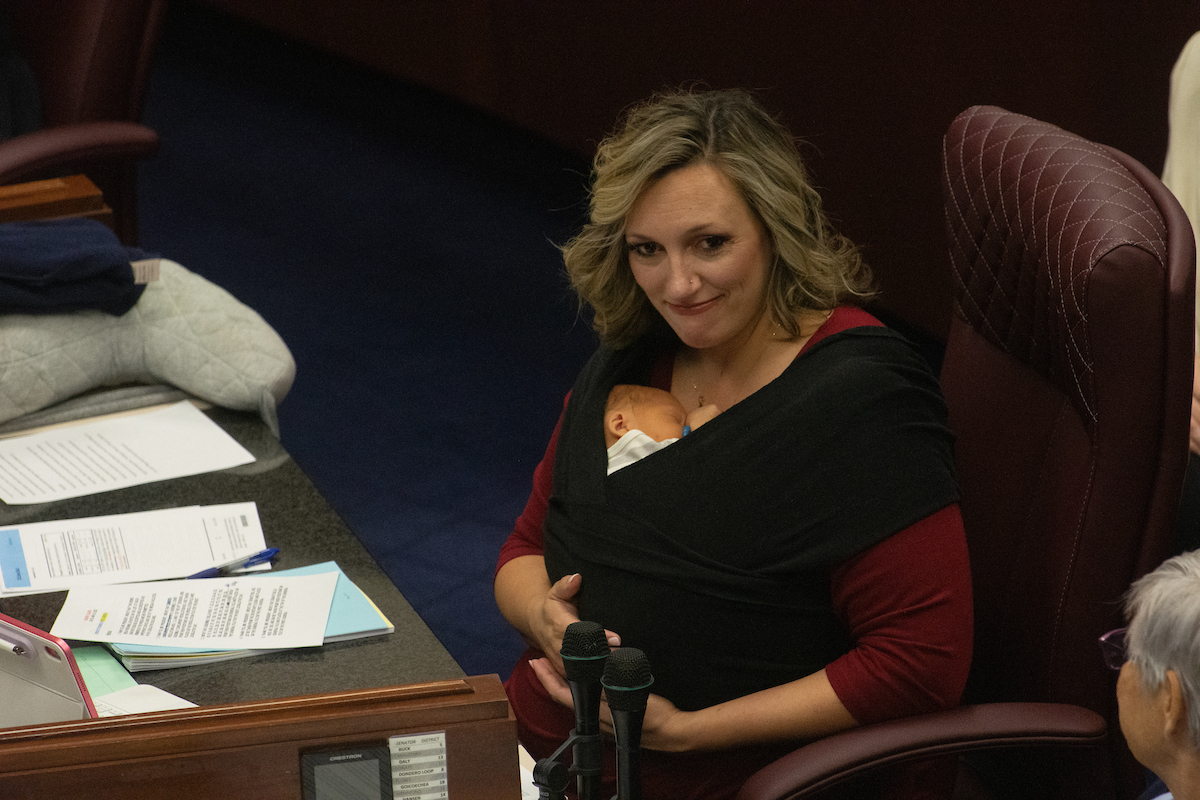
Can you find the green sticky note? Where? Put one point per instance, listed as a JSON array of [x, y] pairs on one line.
[[102, 673]]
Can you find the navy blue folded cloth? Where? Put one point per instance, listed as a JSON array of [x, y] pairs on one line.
[[55, 266]]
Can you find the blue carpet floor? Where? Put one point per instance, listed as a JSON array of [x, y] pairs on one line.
[[404, 248]]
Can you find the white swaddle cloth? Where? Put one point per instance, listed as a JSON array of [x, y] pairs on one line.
[[633, 447]]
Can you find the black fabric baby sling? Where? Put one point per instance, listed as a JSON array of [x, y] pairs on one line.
[[713, 554]]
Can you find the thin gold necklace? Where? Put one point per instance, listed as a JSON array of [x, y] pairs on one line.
[[696, 387]]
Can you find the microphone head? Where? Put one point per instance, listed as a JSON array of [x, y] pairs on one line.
[[627, 679], [584, 651]]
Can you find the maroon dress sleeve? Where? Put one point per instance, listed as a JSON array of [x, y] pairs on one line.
[[911, 624]]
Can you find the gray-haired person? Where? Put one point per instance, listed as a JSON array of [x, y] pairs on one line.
[[1158, 691]]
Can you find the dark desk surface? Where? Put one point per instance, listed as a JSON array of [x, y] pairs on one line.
[[296, 519]]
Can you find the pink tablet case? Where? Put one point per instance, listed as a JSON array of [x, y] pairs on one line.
[[39, 679]]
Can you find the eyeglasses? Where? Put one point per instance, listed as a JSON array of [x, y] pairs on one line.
[[1112, 646]]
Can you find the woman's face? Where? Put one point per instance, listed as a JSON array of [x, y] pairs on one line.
[[700, 254]]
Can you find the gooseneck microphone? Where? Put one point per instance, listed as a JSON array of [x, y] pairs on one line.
[[626, 682], [584, 653]]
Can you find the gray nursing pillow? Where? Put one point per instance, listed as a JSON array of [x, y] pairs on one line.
[[183, 331]]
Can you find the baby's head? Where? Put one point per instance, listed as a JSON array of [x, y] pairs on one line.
[[654, 412]]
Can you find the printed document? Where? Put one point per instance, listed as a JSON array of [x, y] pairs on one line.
[[114, 453], [254, 612], [121, 548], [352, 615], [138, 699], [114, 691]]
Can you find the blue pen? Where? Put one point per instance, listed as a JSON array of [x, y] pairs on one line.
[[237, 563]]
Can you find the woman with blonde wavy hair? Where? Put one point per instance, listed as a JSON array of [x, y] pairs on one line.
[[772, 565], [813, 267]]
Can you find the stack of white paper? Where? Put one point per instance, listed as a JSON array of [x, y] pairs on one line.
[[352, 615], [238, 612], [121, 548], [113, 453]]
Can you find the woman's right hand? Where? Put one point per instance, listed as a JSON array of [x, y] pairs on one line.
[[539, 610], [548, 620]]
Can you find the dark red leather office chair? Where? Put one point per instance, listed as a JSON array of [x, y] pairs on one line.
[[92, 62], [1068, 375]]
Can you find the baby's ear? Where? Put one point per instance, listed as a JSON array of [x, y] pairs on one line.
[[616, 424]]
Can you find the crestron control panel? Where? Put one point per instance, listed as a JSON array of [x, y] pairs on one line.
[[409, 767]]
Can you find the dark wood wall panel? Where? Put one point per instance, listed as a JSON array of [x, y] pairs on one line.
[[870, 86]]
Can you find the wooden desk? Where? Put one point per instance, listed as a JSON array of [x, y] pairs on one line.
[[72, 196], [361, 690], [296, 519]]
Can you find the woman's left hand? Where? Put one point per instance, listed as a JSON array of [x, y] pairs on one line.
[[662, 729]]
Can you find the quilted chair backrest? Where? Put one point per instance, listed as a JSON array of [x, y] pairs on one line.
[[1068, 377]]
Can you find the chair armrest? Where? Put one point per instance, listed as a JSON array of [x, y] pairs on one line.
[[818, 766], [25, 156]]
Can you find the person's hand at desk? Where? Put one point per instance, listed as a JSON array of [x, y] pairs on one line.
[[540, 611], [804, 709]]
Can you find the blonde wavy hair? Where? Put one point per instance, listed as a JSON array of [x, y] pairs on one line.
[[814, 268]]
